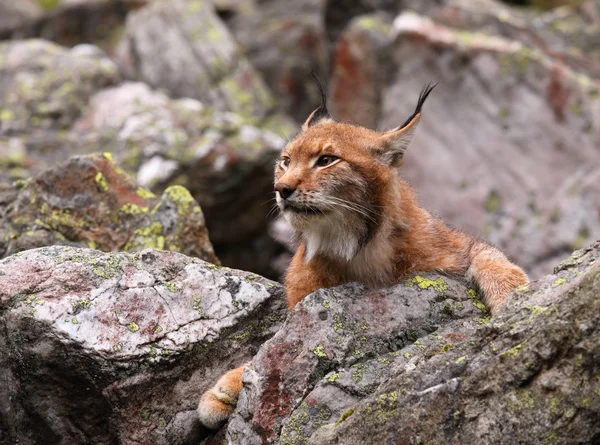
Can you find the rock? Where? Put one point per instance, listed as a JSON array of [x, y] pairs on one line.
[[285, 41], [117, 348], [357, 78], [17, 14], [89, 202], [507, 128], [215, 155], [46, 87], [528, 377], [420, 361], [70, 22], [183, 47], [339, 345]]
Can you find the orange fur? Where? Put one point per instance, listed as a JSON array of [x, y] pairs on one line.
[[357, 220]]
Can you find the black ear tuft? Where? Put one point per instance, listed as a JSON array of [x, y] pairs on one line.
[[321, 112], [422, 98]]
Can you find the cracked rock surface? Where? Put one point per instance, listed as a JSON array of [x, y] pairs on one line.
[[117, 348]]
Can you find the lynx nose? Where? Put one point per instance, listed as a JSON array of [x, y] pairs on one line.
[[285, 190]]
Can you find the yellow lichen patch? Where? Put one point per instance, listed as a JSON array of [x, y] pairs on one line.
[[101, 181], [319, 351], [181, 197], [133, 209], [559, 282], [333, 377], [345, 415], [144, 193], [133, 327], [424, 283], [514, 351]]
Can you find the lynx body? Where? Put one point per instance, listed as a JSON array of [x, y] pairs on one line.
[[339, 187]]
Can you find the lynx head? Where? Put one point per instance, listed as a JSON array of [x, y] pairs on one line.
[[334, 180]]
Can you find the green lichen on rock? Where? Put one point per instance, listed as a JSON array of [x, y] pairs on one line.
[[333, 377], [101, 181], [133, 327], [345, 415], [514, 351], [181, 197], [438, 284], [133, 209], [319, 351], [493, 202]]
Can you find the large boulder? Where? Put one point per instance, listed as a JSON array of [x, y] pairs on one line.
[[339, 345], [183, 47], [117, 348], [509, 131], [88, 201], [421, 363]]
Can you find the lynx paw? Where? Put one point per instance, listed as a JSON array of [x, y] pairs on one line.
[[217, 404], [215, 407]]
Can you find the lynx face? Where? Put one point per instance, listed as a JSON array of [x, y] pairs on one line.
[[326, 177], [333, 181]]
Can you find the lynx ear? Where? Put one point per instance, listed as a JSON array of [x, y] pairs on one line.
[[393, 143], [321, 113]]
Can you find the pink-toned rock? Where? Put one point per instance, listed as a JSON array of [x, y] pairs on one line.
[[117, 348]]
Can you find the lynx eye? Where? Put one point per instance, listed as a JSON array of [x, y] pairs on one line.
[[326, 160], [284, 163]]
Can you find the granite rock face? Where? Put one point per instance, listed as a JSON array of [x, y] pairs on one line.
[[422, 362], [117, 348], [89, 202]]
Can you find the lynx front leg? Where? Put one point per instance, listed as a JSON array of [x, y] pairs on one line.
[[494, 274], [217, 404]]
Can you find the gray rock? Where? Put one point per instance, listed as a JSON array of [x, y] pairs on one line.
[[17, 14], [339, 345], [66, 22], [531, 376], [183, 47], [285, 41], [117, 348], [88, 201], [223, 159], [46, 87]]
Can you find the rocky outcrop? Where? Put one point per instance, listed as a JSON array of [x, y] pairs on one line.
[[117, 348], [223, 159], [160, 141], [507, 131], [89, 202], [423, 363]]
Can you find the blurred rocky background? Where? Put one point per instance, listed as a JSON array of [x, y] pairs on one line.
[[142, 127]]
